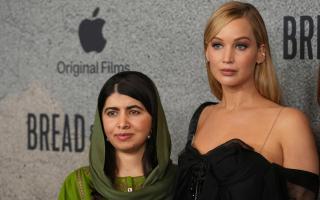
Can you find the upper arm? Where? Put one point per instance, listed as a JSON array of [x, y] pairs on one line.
[[297, 141], [77, 185], [68, 187]]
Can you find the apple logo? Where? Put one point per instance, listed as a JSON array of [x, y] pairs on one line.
[[90, 33]]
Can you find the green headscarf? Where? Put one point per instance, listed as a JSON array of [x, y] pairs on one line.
[[158, 184]]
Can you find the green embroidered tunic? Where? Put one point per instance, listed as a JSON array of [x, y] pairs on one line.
[[78, 185], [129, 184]]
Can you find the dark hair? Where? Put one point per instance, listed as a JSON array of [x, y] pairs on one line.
[[319, 86], [140, 87]]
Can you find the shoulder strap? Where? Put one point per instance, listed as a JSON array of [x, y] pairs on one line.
[[195, 118], [269, 133]]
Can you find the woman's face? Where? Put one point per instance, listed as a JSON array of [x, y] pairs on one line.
[[126, 123], [233, 54]]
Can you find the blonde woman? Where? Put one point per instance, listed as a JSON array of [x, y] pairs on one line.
[[246, 146]]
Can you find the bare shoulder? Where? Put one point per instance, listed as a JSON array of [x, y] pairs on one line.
[[205, 113], [297, 140], [293, 114]]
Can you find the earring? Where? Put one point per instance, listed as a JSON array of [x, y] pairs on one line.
[[264, 55], [149, 136]]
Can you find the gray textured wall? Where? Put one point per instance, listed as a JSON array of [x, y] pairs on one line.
[[160, 38]]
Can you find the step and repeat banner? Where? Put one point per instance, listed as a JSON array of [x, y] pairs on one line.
[[55, 56]]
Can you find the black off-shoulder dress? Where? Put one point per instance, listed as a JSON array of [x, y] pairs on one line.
[[234, 171]]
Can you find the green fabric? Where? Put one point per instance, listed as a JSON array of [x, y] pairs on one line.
[[129, 184], [77, 185], [158, 185]]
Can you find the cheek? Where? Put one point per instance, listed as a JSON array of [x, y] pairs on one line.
[[213, 66], [249, 62], [144, 125], [107, 126], [214, 61], [251, 57], [211, 56]]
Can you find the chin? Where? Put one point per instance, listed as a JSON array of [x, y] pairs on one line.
[[128, 148], [233, 81], [229, 82], [123, 147]]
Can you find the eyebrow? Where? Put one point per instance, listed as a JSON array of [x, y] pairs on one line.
[[237, 39], [134, 106], [127, 108]]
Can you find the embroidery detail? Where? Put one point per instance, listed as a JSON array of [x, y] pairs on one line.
[[80, 184], [128, 184]]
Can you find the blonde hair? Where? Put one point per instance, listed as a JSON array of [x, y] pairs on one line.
[[264, 76]]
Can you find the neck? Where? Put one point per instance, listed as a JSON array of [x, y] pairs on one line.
[[237, 98], [129, 164]]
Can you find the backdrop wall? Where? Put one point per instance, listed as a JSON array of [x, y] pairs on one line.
[[51, 73]]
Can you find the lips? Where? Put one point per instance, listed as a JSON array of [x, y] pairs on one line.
[[228, 72], [123, 136]]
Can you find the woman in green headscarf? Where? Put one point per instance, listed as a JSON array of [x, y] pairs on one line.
[[130, 145]]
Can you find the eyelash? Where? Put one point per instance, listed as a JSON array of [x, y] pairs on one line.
[[134, 112], [215, 45], [239, 46], [113, 113]]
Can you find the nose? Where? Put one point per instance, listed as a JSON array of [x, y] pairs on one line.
[[123, 122], [228, 55]]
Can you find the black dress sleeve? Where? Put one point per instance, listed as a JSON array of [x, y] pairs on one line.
[[301, 185]]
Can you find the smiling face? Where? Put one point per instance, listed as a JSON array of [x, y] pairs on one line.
[[126, 123], [233, 54]]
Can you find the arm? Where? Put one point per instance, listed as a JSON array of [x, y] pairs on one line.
[[297, 141], [69, 189], [77, 185]]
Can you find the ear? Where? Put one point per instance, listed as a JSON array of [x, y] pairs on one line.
[[261, 56]]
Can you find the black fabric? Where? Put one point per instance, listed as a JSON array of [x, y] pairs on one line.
[[234, 171]]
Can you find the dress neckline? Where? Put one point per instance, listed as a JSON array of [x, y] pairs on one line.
[[128, 183], [193, 127], [233, 140], [246, 146], [223, 145]]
